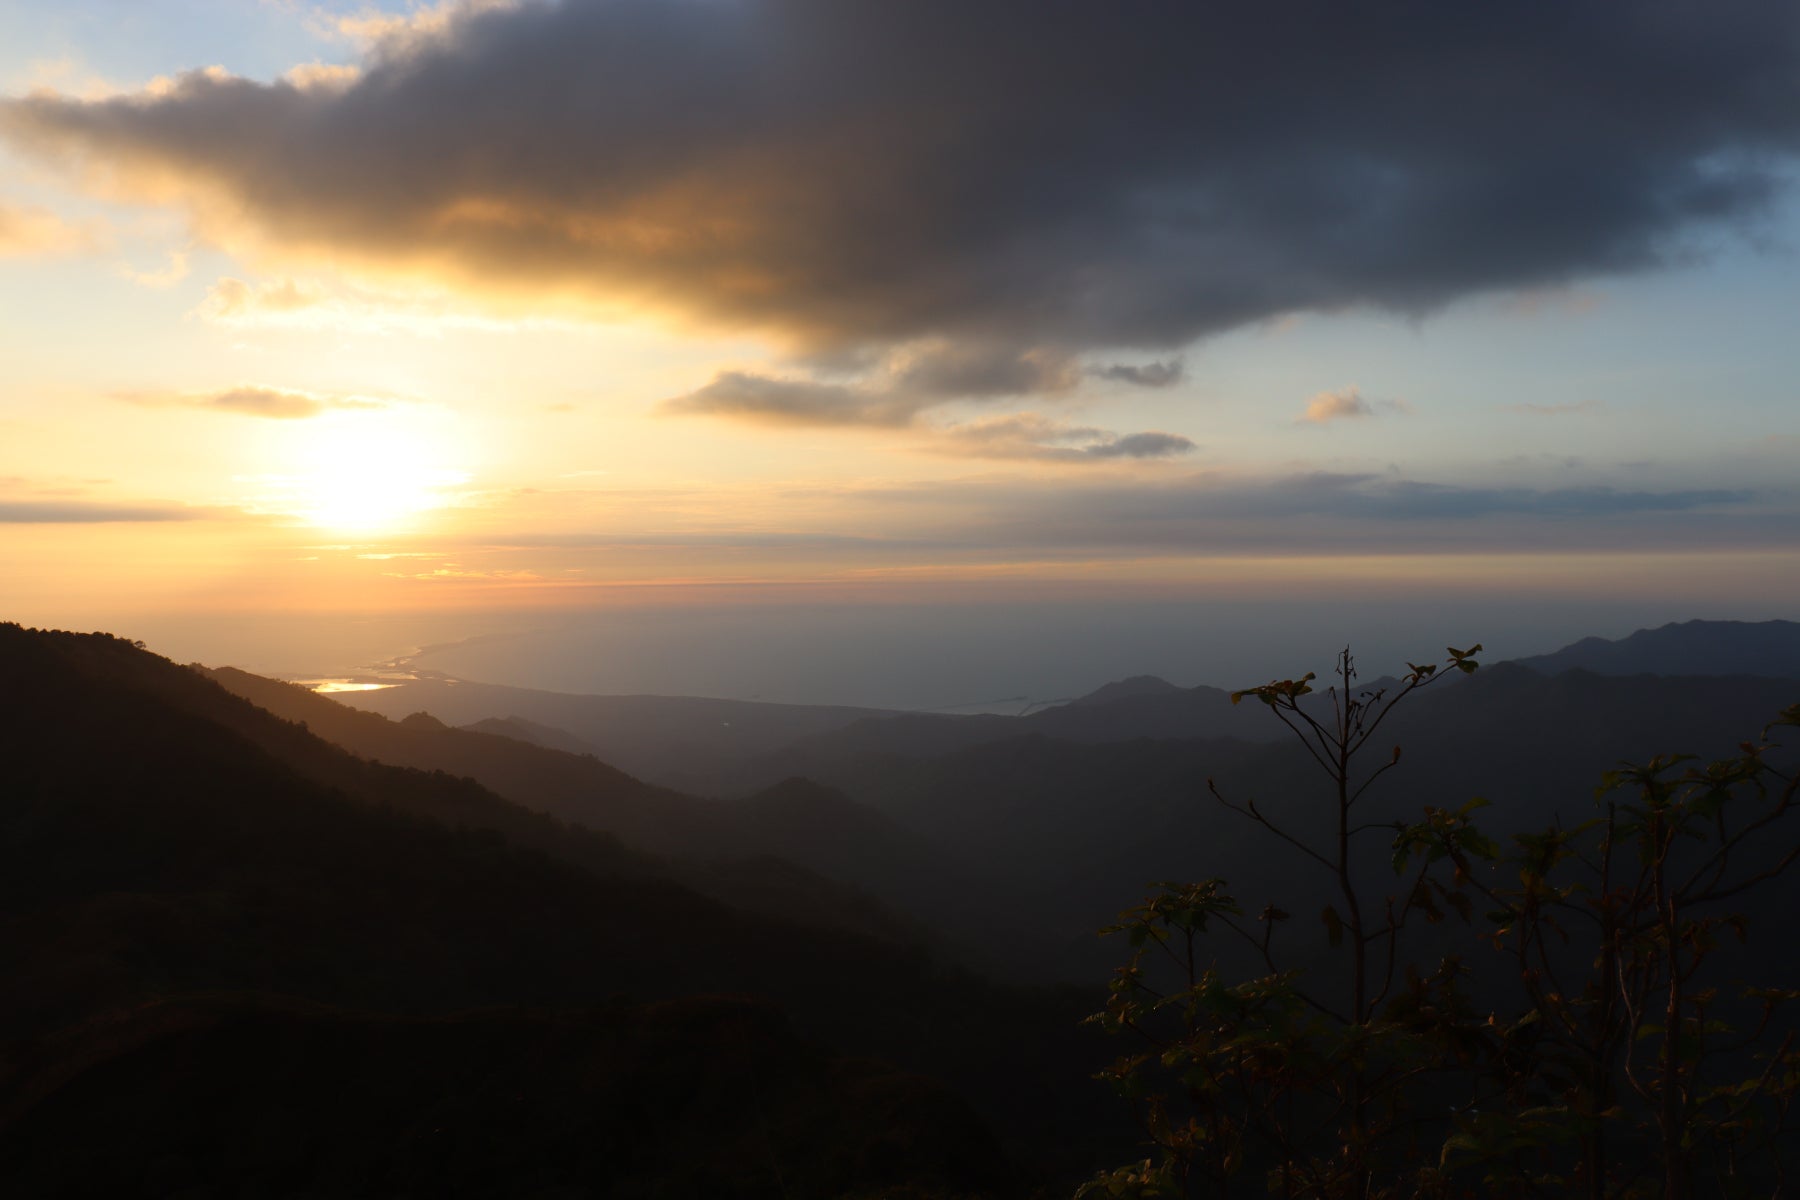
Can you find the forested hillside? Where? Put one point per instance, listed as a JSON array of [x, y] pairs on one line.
[[158, 850]]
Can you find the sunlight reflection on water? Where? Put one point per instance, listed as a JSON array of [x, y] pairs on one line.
[[328, 686]]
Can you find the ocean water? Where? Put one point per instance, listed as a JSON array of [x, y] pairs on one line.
[[955, 657]]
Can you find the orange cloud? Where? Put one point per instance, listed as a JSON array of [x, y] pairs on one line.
[[290, 303], [253, 400], [29, 231], [1347, 404]]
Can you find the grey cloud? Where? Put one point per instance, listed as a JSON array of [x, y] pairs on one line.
[[1359, 497], [1434, 500], [1078, 516], [1147, 375], [1033, 437], [764, 400], [889, 390], [1143, 445], [1330, 513], [894, 403], [853, 172], [959, 371], [74, 512]]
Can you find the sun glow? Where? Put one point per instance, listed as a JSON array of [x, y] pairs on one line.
[[365, 472]]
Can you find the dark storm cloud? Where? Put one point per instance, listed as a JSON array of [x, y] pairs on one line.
[[1028, 172]]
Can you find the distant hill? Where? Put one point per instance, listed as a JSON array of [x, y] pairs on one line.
[[1130, 710], [678, 741], [730, 747], [1125, 689], [1767, 649], [519, 729], [1147, 707], [830, 836], [1031, 807]]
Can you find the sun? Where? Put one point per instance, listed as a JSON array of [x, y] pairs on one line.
[[368, 471]]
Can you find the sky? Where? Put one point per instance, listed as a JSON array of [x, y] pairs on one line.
[[890, 353]]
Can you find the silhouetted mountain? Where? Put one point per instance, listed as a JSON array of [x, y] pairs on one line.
[[678, 741], [164, 837], [1130, 711], [855, 848], [1133, 710], [1760, 648], [1124, 689], [147, 790], [519, 729], [1199, 712], [1145, 706]]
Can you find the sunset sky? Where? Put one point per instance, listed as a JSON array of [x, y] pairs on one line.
[[1321, 320]]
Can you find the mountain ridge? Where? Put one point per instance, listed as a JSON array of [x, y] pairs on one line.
[[1762, 649]]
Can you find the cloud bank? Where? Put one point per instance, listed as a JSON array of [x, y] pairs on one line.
[[1322, 513], [855, 173]]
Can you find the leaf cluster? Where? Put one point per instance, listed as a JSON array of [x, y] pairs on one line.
[[1586, 1033]]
